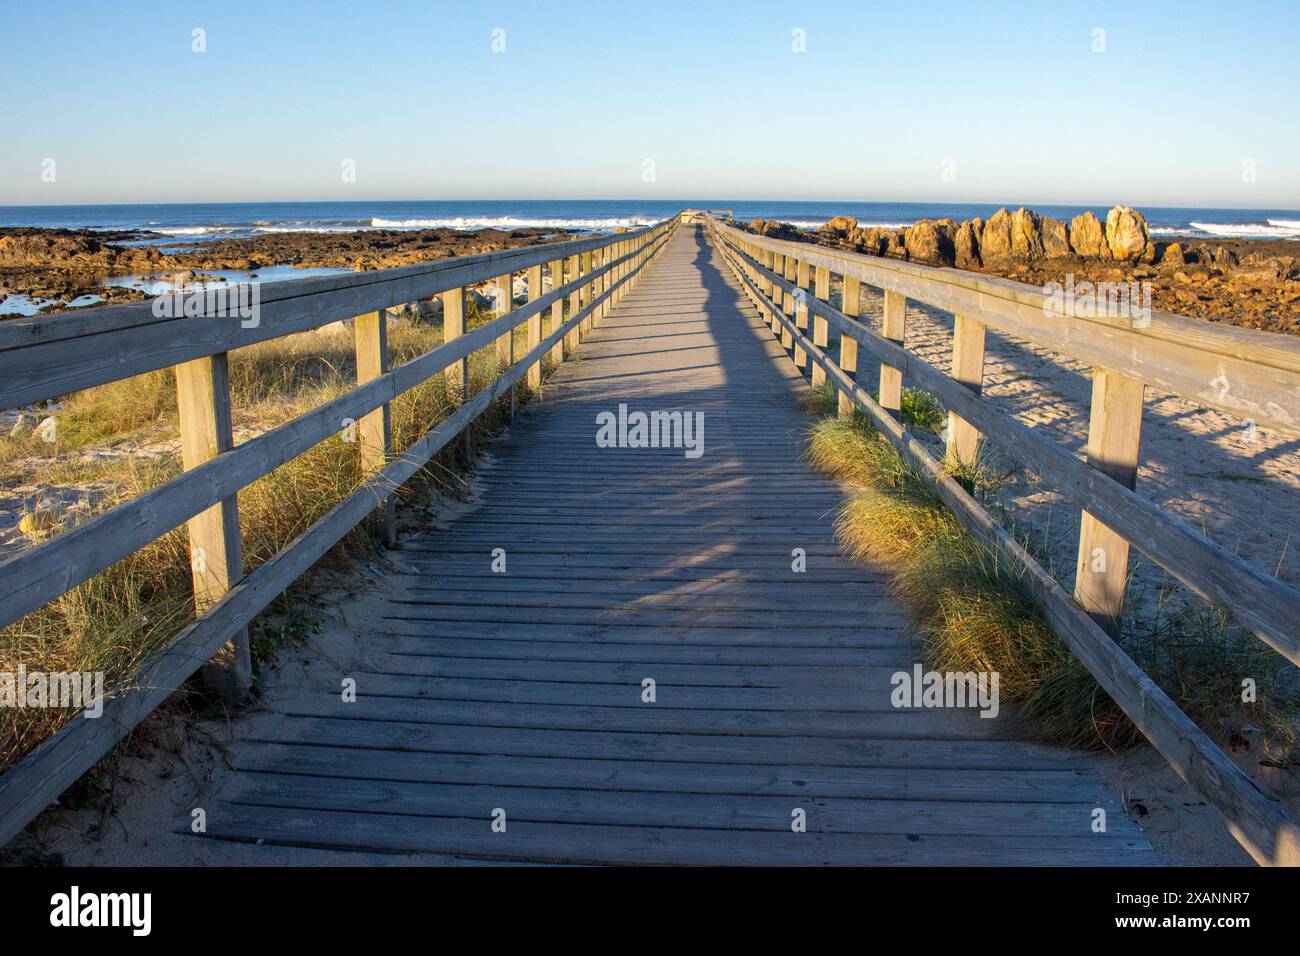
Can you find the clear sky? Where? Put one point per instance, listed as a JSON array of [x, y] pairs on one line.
[[904, 100]]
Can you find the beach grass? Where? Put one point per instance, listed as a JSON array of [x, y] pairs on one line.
[[974, 613], [120, 617]]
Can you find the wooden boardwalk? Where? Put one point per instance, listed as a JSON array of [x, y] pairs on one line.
[[523, 691]]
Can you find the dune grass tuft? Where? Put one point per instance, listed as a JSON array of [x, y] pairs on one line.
[[128, 612], [975, 614]]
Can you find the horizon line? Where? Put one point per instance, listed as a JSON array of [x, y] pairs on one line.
[[677, 199]]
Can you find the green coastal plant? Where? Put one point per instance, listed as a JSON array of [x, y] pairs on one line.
[[131, 610], [975, 614]]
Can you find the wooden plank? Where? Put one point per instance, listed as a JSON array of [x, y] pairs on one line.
[[1036, 786], [579, 843], [216, 555]]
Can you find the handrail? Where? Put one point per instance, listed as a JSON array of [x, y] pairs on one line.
[[42, 357], [765, 269], [33, 578], [1245, 373]]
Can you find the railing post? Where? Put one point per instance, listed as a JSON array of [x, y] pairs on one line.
[[535, 326], [557, 309], [456, 375], [588, 293], [967, 368], [778, 267], [821, 328], [575, 303], [801, 309], [216, 558], [1114, 438], [851, 305], [894, 329], [375, 430], [791, 272], [505, 304]]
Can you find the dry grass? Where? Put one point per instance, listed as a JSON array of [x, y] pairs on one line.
[[129, 611], [975, 614]]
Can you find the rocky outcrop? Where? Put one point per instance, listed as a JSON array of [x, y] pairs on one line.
[[966, 244], [1127, 235], [1087, 238], [1056, 239], [931, 241], [1026, 235], [995, 240], [776, 230]]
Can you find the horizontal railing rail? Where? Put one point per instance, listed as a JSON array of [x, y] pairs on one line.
[[776, 275], [34, 577]]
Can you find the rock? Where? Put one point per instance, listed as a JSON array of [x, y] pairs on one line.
[[429, 308], [966, 244], [1026, 234], [1173, 254], [873, 240], [1056, 242], [895, 244], [477, 300], [839, 224], [38, 522], [1087, 237], [995, 240], [930, 241], [1127, 234], [774, 229], [20, 425]]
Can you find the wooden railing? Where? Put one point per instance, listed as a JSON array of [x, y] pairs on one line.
[[1246, 374], [47, 357]]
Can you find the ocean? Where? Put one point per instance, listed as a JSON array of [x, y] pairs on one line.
[[174, 223]]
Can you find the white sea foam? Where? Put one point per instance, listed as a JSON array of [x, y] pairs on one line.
[[511, 222], [1285, 223], [189, 230], [1249, 230]]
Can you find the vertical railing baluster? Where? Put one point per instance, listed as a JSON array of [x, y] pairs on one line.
[[894, 328], [822, 290], [216, 554], [375, 430], [851, 306], [967, 368], [1114, 441], [534, 326]]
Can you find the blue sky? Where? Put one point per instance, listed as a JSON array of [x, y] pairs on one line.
[[1008, 99]]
